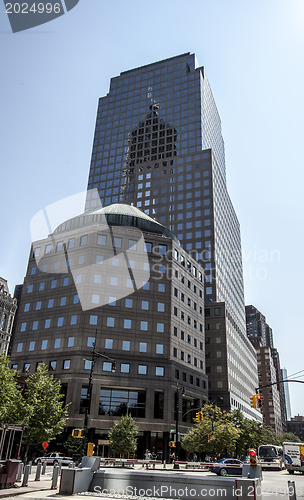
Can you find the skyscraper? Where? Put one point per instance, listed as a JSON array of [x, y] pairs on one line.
[[286, 394], [269, 370], [158, 145], [8, 307]]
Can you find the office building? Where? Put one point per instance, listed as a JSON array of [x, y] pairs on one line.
[[296, 426], [256, 324], [287, 404], [269, 370], [158, 146], [117, 278], [8, 308], [271, 395]]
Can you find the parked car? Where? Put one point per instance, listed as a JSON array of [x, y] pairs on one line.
[[54, 458], [228, 466]]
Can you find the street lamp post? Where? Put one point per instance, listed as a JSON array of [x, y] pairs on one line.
[[95, 354], [178, 390]]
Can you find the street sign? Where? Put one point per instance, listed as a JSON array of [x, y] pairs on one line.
[[172, 430], [45, 445]]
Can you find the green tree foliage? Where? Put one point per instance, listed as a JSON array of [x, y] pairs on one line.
[[74, 445], [290, 437], [46, 413], [11, 401], [123, 436], [230, 433], [38, 406], [251, 432], [214, 434]]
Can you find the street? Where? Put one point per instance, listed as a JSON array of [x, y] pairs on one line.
[[274, 484]]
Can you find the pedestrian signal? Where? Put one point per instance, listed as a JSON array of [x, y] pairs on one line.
[[78, 433], [253, 457]]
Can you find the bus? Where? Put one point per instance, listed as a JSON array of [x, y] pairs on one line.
[[271, 456]]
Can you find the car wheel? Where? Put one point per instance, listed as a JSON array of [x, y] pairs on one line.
[[291, 471], [223, 472], [38, 461], [55, 462]]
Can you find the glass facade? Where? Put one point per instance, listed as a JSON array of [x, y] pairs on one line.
[[158, 146]]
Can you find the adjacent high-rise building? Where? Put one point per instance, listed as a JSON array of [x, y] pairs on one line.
[[287, 404], [158, 146], [256, 324], [8, 308], [269, 370]]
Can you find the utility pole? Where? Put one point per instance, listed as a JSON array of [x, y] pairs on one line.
[[178, 390], [95, 354]]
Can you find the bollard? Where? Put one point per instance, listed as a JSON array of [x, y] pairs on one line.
[[27, 471], [20, 471], [59, 472], [55, 477], [44, 467], [292, 490], [164, 464], [38, 472]]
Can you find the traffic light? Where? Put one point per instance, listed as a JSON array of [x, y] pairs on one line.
[[78, 433], [253, 457], [258, 399], [172, 444], [90, 449], [253, 401], [199, 416]]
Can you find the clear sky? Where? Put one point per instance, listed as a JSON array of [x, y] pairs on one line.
[[253, 52]]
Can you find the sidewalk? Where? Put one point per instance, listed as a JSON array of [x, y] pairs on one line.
[[35, 489]]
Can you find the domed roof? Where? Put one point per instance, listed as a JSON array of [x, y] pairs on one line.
[[118, 214], [122, 209]]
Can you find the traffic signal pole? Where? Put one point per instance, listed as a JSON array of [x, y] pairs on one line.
[[95, 354]]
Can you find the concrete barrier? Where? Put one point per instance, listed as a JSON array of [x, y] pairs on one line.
[[75, 480], [79, 479], [173, 485], [20, 472]]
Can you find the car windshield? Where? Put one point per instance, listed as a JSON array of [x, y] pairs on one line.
[[268, 451]]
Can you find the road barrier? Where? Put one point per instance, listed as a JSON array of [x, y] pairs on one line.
[[38, 472], [55, 477], [27, 471], [292, 490]]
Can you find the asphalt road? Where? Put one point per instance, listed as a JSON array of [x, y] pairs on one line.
[[274, 486]]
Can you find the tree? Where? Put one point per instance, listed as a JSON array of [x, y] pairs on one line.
[[74, 445], [290, 437], [215, 433], [45, 412], [251, 432], [123, 435], [11, 402]]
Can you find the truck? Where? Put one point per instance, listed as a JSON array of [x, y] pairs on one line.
[[294, 457]]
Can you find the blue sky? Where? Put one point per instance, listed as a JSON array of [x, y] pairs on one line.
[[253, 52]]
